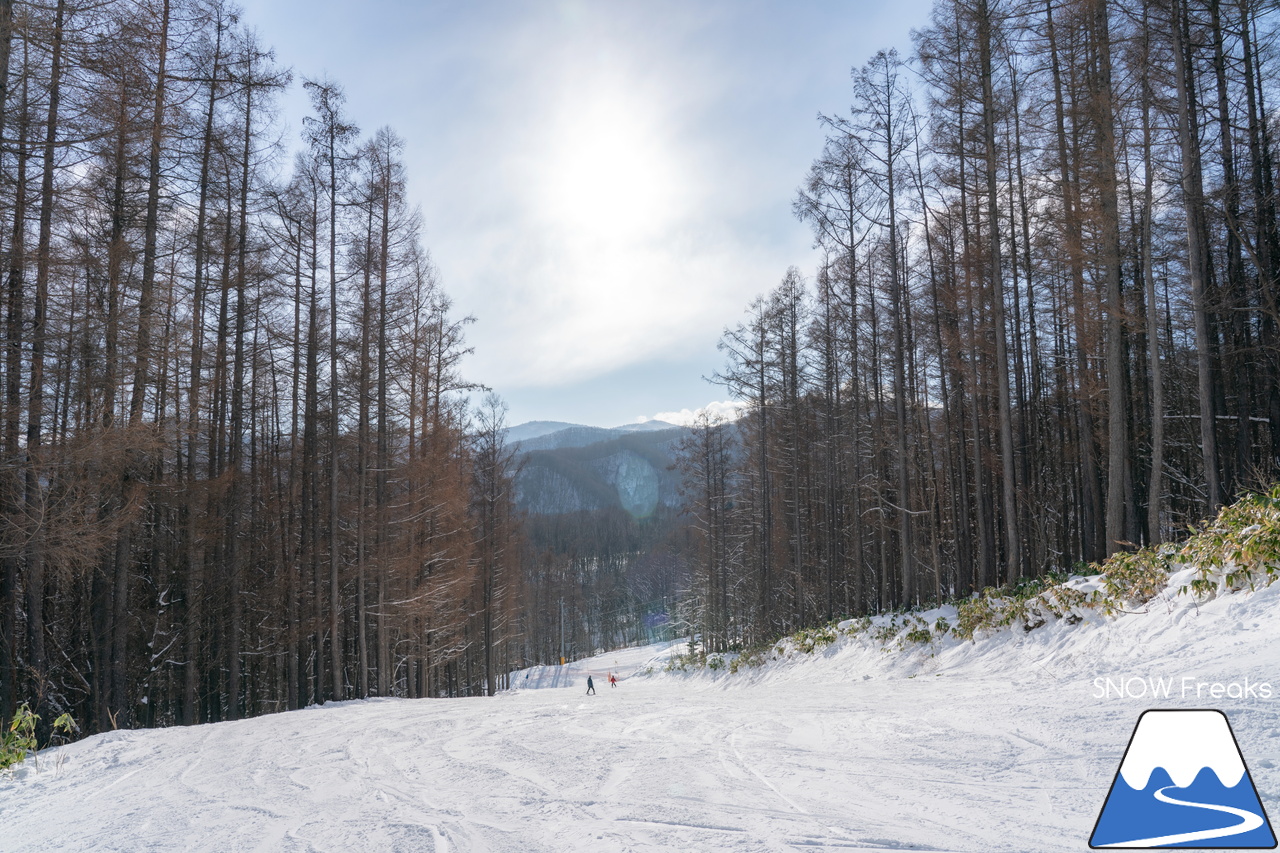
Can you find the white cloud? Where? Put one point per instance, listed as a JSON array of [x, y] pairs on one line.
[[726, 410]]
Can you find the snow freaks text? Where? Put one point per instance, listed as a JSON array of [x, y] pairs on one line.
[[1173, 687]]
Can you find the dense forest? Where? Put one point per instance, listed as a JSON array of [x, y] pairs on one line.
[[239, 472], [241, 469], [1044, 327]]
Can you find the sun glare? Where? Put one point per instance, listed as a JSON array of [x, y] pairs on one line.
[[611, 248], [611, 179]]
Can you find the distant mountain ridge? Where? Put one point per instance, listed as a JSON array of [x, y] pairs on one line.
[[534, 429], [647, 426], [571, 468], [545, 435]]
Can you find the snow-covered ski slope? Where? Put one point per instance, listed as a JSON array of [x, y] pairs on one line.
[[1004, 744]]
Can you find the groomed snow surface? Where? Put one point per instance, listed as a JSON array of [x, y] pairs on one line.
[[1004, 744]]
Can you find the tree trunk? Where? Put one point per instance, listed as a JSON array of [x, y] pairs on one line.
[[1092, 531], [1013, 549], [236, 491], [151, 229], [1155, 488], [195, 559], [35, 556], [1119, 478], [1197, 250], [10, 487]]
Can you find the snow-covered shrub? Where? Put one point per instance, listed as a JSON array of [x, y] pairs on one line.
[[1130, 579], [749, 658], [887, 628], [852, 627], [1068, 601], [693, 658], [978, 613], [918, 631], [810, 640], [1031, 603], [1240, 549]]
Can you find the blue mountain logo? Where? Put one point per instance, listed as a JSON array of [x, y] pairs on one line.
[[1183, 783]]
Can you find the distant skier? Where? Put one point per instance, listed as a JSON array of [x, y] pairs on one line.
[[591, 687], [613, 680]]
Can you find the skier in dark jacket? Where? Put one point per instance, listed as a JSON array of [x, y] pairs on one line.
[[591, 687]]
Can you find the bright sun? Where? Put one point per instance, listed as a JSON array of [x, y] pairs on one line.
[[610, 176], [613, 210]]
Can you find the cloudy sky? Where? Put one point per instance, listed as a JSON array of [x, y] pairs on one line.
[[605, 184]]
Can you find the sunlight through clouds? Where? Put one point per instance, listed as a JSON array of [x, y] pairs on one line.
[[612, 177], [604, 186], [615, 251]]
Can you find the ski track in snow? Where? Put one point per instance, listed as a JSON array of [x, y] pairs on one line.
[[997, 745]]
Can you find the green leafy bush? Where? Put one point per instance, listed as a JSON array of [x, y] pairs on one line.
[[1239, 549], [1133, 578], [19, 738]]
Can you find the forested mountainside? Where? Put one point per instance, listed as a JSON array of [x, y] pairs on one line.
[[604, 515], [583, 468], [239, 469]]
